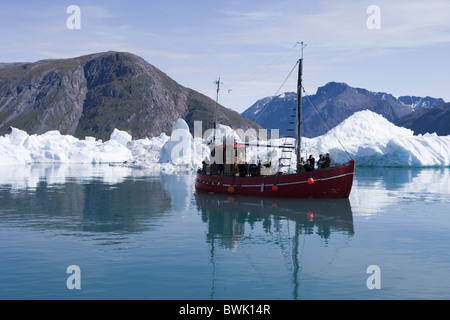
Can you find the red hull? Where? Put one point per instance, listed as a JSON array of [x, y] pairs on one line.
[[334, 182]]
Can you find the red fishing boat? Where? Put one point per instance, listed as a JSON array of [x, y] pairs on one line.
[[330, 182], [334, 182]]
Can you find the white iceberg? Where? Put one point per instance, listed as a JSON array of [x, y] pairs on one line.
[[182, 150], [121, 137], [366, 137], [19, 148], [372, 140], [178, 152]]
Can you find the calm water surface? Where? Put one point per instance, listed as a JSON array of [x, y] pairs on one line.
[[143, 235]]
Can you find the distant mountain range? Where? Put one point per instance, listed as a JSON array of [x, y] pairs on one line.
[[93, 94], [432, 120], [332, 104]]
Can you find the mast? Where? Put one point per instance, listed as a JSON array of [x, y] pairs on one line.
[[299, 109], [215, 110]]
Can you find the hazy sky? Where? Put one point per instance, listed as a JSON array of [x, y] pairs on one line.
[[250, 44]]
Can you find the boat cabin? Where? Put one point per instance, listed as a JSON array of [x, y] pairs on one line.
[[227, 160]]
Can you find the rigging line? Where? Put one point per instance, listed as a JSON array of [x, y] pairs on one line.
[[213, 262], [282, 246], [333, 257], [271, 65], [329, 129], [276, 94]]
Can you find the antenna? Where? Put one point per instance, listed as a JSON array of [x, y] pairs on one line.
[[217, 82], [302, 47]]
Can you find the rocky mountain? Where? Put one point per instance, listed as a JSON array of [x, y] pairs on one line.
[[331, 104], [418, 103], [432, 120], [93, 94]]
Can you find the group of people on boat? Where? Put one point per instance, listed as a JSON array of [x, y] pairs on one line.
[[241, 169], [322, 163], [244, 169], [310, 164]]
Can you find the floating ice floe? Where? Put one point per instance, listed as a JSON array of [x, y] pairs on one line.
[[366, 137], [19, 148]]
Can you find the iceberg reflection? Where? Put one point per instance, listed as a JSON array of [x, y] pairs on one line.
[[79, 200]]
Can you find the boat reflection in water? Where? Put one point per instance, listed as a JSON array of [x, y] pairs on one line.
[[227, 215], [285, 224]]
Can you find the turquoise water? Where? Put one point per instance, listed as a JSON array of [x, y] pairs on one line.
[[144, 235]]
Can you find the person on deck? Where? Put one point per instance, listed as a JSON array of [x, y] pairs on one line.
[[242, 170], [312, 160], [302, 161], [327, 162], [252, 169], [204, 165], [308, 167], [320, 162], [280, 168]]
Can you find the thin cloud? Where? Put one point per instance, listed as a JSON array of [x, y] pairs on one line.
[[404, 24], [250, 16], [244, 42]]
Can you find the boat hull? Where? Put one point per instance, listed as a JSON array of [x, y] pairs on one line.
[[334, 182]]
